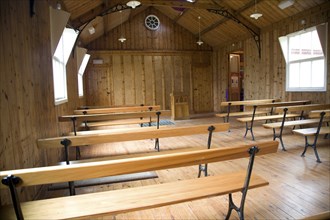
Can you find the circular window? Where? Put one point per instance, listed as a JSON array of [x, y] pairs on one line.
[[152, 22]]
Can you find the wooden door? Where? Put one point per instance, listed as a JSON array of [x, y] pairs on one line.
[[202, 89], [234, 78], [98, 86], [234, 84]]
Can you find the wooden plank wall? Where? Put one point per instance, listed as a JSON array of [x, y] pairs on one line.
[[149, 66], [128, 78], [265, 77], [27, 99], [170, 36]]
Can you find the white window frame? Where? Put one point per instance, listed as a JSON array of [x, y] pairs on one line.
[[81, 72], [60, 59], [301, 63]]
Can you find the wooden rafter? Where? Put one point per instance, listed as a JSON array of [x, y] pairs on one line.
[[237, 14], [179, 4]]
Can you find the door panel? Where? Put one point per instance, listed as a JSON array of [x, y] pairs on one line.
[[202, 89], [97, 86]]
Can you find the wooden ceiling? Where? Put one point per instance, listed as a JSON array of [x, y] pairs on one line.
[[232, 20]]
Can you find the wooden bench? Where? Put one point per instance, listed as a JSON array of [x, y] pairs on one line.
[[314, 132], [134, 134], [111, 116], [102, 119], [229, 104], [130, 135], [270, 106], [300, 108], [116, 110], [114, 202]]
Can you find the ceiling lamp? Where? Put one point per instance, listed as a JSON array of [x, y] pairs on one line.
[[285, 3], [256, 14], [91, 30], [133, 4], [199, 42], [122, 38]]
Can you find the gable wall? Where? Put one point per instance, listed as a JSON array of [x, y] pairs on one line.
[[149, 66]]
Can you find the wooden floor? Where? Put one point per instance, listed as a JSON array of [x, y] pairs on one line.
[[299, 186]]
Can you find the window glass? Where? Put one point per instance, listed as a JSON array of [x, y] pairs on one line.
[[60, 59], [305, 60]]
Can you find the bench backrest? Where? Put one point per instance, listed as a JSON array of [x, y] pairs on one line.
[[248, 102], [130, 135], [74, 172], [113, 116], [117, 110], [105, 106], [280, 104], [305, 108]]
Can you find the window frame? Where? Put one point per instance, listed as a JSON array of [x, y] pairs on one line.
[[284, 42], [59, 61]]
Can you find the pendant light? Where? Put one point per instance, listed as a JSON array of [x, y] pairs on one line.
[[133, 4], [256, 14], [199, 42], [122, 38]]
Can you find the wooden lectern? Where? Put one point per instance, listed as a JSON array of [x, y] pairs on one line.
[[179, 106]]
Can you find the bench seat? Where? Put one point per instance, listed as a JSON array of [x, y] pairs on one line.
[[117, 122], [292, 123], [312, 131], [134, 155], [221, 115], [116, 130], [267, 117], [133, 199]]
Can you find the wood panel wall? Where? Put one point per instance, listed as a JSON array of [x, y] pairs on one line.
[[27, 99], [149, 66], [265, 77], [168, 37], [133, 78]]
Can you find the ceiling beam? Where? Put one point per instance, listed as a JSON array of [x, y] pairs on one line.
[[84, 18], [237, 15], [180, 4], [98, 11], [231, 14]]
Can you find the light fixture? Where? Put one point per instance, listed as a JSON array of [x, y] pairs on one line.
[[98, 61], [58, 6], [133, 4], [91, 30], [256, 14], [285, 3], [122, 38], [199, 42]]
